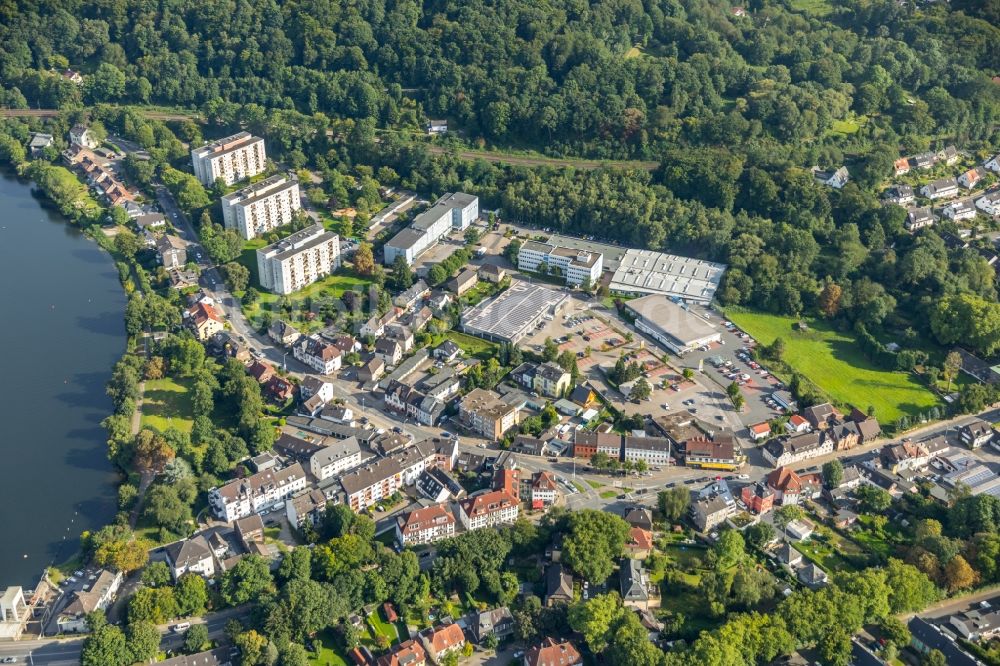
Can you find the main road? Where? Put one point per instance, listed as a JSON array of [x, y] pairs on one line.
[[66, 652]]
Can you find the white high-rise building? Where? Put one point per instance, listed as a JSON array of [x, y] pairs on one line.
[[232, 159], [256, 209], [298, 260]]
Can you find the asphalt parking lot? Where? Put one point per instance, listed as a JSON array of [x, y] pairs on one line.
[[757, 388]]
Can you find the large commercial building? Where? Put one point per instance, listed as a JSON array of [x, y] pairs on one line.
[[576, 266], [451, 211], [512, 314], [642, 272], [232, 159], [298, 260], [256, 209], [673, 326]]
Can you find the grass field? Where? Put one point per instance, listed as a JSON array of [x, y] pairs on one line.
[[332, 286], [167, 403], [379, 627], [833, 362], [328, 653], [473, 346], [814, 7]]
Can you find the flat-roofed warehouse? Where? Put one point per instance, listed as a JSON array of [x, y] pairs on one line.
[[673, 326], [646, 272], [510, 315]]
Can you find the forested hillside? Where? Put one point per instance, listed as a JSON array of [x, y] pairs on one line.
[[612, 78]]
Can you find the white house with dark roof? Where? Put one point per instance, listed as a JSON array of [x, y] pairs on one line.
[[989, 203], [192, 555], [940, 189], [958, 211], [335, 458], [321, 356], [918, 218]]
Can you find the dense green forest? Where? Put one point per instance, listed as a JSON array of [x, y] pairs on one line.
[[613, 78]]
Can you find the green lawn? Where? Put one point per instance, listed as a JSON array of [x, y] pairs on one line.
[[834, 363], [609, 494], [329, 653], [332, 286], [473, 346], [595, 484], [845, 126], [814, 7], [167, 403], [380, 627]]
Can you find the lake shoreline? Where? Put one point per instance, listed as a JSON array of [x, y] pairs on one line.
[[84, 447]]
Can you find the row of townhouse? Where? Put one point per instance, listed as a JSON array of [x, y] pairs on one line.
[[367, 485], [828, 431], [408, 401], [719, 451]]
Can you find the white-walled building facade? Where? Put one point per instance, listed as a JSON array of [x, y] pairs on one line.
[[256, 209], [576, 266], [232, 159], [298, 260], [452, 211]]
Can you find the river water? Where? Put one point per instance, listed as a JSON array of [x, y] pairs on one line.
[[61, 330]]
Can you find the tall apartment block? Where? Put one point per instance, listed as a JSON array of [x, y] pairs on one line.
[[452, 211], [232, 159], [298, 260], [261, 207]]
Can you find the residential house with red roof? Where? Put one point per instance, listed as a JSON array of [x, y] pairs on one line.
[[553, 653], [407, 653], [760, 431], [790, 488], [425, 525], [442, 640], [488, 510], [205, 321], [639, 544]]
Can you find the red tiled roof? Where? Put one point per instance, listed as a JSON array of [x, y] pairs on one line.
[[488, 503], [421, 519], [640, 539], [760, 428], [552, 653], [784, 479], [445, 637]]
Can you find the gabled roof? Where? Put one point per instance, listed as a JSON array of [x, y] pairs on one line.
[[444, 637], [189, 552], [553, 653], [558, 583], [488, 503]]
